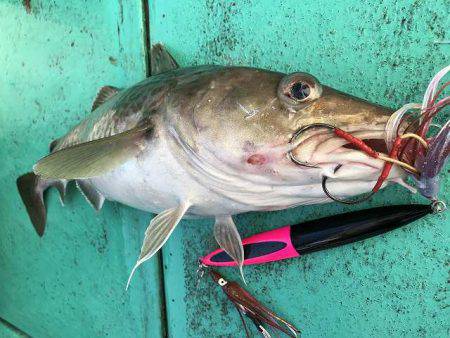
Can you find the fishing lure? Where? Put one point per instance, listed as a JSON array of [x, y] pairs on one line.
[[249, 306], [324, 233]]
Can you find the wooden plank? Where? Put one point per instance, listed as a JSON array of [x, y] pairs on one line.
[[394, 285], [72, 281]]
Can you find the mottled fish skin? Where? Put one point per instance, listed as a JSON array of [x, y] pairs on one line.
[[127, 109]]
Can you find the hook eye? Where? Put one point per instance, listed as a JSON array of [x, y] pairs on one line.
[[296, 136], [341, 200]]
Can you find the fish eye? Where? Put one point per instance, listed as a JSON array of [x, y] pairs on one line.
[[298, 90]]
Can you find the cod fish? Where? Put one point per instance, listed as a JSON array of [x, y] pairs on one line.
[[210, 141]]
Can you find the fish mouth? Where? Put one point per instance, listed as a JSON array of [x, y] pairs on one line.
[[321, 148]]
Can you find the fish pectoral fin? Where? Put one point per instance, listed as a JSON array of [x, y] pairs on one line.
[[94, 158], [103, 95], [161, 61], [158, 232], [228, 238], [92, 195]]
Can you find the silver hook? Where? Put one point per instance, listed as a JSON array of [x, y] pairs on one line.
[[295, 137], [200, 272], [341, 200]]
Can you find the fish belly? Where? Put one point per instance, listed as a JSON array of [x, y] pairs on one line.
[[155, 181]]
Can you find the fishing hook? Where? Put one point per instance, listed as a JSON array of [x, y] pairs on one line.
[[201, 269], [341, 200], [325, 178], [297, 134]]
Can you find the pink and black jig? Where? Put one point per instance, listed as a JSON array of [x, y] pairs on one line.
[[299, 239]]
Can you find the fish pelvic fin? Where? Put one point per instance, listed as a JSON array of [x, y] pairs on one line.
[[161, 61], [94, 158], [228, 238], [31, 189], [92, 195], [158, 232]]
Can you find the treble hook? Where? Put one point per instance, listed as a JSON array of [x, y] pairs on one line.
[[341, 200], [200, 272], [295, 137]]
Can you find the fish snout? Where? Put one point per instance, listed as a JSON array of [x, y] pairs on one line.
[[341, 110]]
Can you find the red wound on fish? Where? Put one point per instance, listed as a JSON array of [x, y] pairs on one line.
[[257, 159]]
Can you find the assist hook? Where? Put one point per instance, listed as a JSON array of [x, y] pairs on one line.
[[296, 136], [341, 200], [340, 133]]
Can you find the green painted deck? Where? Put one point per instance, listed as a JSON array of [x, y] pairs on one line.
[[71, 282]]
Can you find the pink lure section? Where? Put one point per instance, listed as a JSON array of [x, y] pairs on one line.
[[277, 235]]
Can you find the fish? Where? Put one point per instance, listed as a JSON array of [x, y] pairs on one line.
[[211, 142]]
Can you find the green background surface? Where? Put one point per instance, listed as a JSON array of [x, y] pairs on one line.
[[71, 282]]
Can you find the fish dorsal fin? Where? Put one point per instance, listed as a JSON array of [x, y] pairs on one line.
[[158, 232], [94, 158], [103, 95], [161, 61], [228, 238]]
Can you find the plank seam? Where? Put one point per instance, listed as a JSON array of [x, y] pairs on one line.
[[161, 284], [13, 328]]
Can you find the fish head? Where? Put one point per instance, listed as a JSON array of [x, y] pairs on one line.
[[308, 103], [247, 119]]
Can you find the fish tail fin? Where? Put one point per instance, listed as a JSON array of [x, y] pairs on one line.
[[31, 189]]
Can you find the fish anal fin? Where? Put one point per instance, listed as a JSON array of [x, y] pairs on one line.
[[94, 158], [158, 232], [92, 195], [103, 95], [161, 61]]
